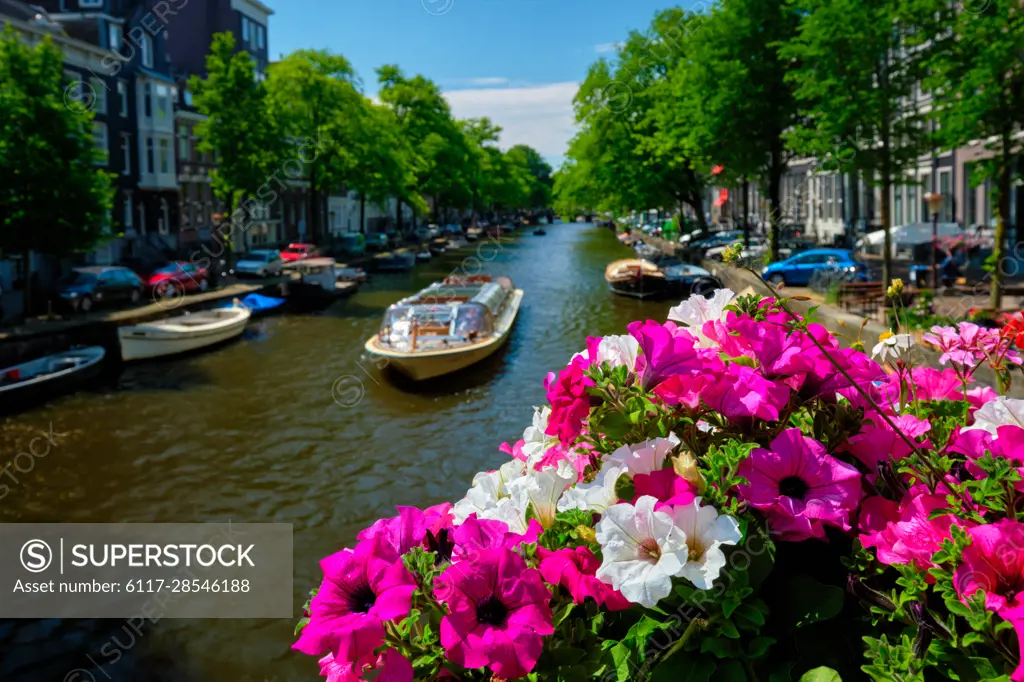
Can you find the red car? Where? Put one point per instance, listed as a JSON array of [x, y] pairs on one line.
[[176, 278], [299, 251]]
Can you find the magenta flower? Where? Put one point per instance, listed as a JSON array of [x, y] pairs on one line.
[[409, 529], [476, 535], [684, 390], [574, 570], [1015, 616], [665, 485], [904, 534], [741, 394], [498, 613], [391, 666], [800, 487], [877, 442], [932, 384], [994, 562], [666, 351], [361, 590], [1007, 443], [825, 381], [570, 403], [779, 353]]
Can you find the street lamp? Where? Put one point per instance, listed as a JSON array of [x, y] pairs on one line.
[[934, 200]]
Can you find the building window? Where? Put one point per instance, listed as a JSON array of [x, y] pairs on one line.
[[947, 198], [115, 36], [911, 204], [126, 154], [126, 208], [970, 199], [147, 102], [183, 147], [989, 220], [165, 217], [146, 47], [149, 154], [897, 206], [188, 98], [99, 92], [99, 140], [90, 4], [926, 187], [261, 36], [122, 97], [162, 95], [165, 156], [245, 29]]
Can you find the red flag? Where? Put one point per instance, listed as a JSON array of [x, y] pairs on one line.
[[717, 169], [723, 196]]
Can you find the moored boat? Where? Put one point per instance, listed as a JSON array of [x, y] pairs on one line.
[[423, 255], [351, 275], [540, 232], [48, 377], [396, 261], [258, 304], [448, 326], [473, 233], [320, 279], [182, 333], [635, 277]]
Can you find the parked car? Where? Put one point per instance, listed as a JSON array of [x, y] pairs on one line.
[[352, 244], [798, 270], [177, 277], [260, 263], [299, 251], [423, 233], [84, 288], [453, 230], [377, 242]]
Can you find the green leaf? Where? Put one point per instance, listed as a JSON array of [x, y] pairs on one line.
[[821, 674], [621, 658], [806, 601], [729, 671], [683, 666]]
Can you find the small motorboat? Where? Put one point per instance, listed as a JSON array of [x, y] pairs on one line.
[[635, 277], [182, 333], [438, 247], [448, 326], [540, 232], [397, 261], [423, 255], [473, 233], [48, 377], [351, 275], [320, 279], [258, 304], [496, 230]]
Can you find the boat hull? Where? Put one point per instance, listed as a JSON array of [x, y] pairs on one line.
[[420, 366], [645, 287], [21, 396], [143, 342]]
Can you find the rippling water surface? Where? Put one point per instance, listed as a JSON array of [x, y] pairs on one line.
[[252, 432]]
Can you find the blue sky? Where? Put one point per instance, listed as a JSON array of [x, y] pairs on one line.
[[516, 61]]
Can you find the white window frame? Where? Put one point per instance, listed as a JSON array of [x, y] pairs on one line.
[[184, 150], [162, 99], [99, 134], [146, 48], [115, 37], [126, 153]]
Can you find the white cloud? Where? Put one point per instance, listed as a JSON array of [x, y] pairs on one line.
[[603, 48], [486, 82], [540, 116]]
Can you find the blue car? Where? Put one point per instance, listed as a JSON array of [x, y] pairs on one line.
[[798, 270]]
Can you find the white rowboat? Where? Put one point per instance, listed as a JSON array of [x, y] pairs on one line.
[[181, 334]]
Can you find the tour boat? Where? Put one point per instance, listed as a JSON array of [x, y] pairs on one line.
[[320, 279], [47, 377], [396, 261], [448, 326], [182, 333]]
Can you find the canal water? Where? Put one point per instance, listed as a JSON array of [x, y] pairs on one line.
[[292, 424]]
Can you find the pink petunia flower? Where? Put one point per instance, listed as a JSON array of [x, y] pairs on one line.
[[904, 533], [779, 353], [476, 535], [570, 403], [1015, 616], [667, 350], [877, 442], [933, 384], [574, 570], [684, 390], [800, 487], [666, 485], [498, 613], [409, 529], [994, 562], [391, 666], [361, 590], [741, 394]]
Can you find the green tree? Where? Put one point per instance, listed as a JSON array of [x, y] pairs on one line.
[[54, 198], [541, 183], [855, 83], [240, 130], [312, 94], [975, 57]]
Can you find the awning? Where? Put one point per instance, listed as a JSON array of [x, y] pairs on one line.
[[723, 196]]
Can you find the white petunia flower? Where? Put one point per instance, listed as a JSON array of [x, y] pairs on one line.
[[596, 496], [642, 551], [535, 442], [706, 532], [511, 511], [696, 310], [891, 345], [999, 412], [615, 350], [645, 457], [488, 489], [543, 489]]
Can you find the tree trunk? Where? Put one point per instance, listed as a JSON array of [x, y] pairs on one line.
[[362, 214], [1003, 189], [746, 212], [398, 215], [314, 204], [27, 267], [887, 244], [774, 202]]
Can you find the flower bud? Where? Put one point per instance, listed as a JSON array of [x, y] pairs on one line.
[[896, 288], [587, 534], [685, 466]]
